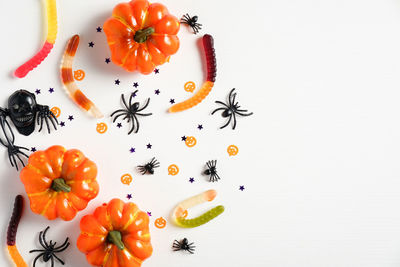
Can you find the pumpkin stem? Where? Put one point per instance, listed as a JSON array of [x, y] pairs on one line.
[[60, 185], [115, 238], [142, 35]]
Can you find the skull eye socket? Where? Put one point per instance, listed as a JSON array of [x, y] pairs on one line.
[[15, 107]]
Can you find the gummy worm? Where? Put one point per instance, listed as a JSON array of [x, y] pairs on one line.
[[68, 79], [51, 11], [208, 44], [179, 212], [12, 232]]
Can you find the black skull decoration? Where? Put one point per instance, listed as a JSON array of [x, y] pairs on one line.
[[23, 111]]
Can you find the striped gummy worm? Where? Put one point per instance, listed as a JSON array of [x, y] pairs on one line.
[[51, 13], [179, 212], [208, 44], [12, 232], [67, 78]]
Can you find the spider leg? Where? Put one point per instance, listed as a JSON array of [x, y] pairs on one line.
[[212, 113], [41, 123], [217, 176], [47, 124], [51, 119], [222, 103], [10, 140], [226, 124], [61, 261], [44, 236], [133, 117], [34, 262], [119, 115], [230, 95], [208, 164], [245, 115], [145, 105], [36, 250], [18, 157], [147, 114], [124, 102], [234, 121], [52, 261], [119, 110], [63, 247], [137, 122]]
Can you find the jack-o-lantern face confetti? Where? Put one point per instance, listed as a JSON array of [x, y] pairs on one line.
[[190, 141], [126, 179], [56, 111], [79, 75], [232, 150], [101, 128], [173, 170], [160, 223], [190, 86]]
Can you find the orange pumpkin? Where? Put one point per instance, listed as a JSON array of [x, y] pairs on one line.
[[115, 235], [141, 35], [59, 183]]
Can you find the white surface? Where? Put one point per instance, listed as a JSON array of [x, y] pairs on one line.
[[319, 159]]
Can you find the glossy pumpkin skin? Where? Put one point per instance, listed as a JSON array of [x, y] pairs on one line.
[[59, 183], [123, 28], [130, 224]]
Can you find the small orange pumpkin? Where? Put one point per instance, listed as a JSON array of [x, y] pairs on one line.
[[59, 183], [115, 235]]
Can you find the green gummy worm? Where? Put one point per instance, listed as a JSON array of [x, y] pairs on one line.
[[202, 219]]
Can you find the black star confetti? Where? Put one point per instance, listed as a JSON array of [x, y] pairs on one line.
[[149, 146], [157, 92], [108, 60], [62, 124], [91, 44], [191, 180], [183, 138], [37, 91], [156, 71], [200, 127], [134, 94], [149, 213], [51, 90], [119, 125], [241, 188], [129, 196], [98, 29], [70, 117], [132, 150], [136, 85], [172, 101], [117, 81], [33, 149]]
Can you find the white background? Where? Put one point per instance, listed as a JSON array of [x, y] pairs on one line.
[[319, 159]]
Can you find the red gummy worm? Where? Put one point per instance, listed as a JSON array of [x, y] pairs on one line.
[[208, 43], [15, 218], [24, 69]]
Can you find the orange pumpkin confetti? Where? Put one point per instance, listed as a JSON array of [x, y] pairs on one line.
[[79, 75], [173, 170], [233, 150], [190, 141], [190, 86], [56, 111], [126, 179], [101, 128], [160, 223]]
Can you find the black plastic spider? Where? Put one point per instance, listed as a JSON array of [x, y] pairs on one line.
[[131, 112], [231, 110], [49, 251], [183, 245], [24, 112], [149, 167], [212, 170], [192, 22]]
